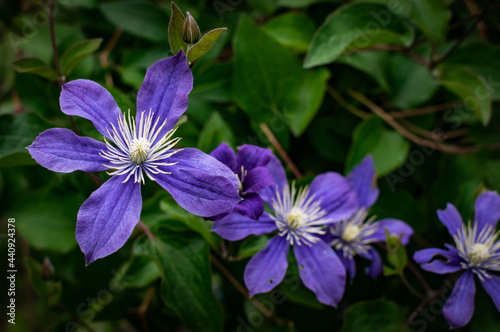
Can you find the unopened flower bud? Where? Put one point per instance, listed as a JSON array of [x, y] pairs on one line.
[[191, 32], [47, 269]]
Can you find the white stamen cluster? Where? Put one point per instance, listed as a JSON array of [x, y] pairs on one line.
[[244, 173], [352, 235], [138, 148], [479, 249], [298, 215]]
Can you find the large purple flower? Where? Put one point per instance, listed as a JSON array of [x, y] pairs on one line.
[[353, 236], [134, 148], [477, 253], [299, 217], [249, 164]]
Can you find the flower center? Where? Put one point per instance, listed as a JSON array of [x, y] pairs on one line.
[[298, 215], [295, 217], [139, 150], [352, 236], [478, 253], [351, 232]]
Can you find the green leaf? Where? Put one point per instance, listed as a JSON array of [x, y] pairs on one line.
[[212, 83], [292, 30], [374, 316], [265, 6], [19, 131], [186, 281], [432, 17], [122, 99], [388, 148], [195, 223], [77, 53], [326, 134], [138, 272], [493, 174], [175, 28], [215, 131], [306, 99], [139, 18], [269, 83], [204, 44], [301, 3], [469, 86], [35, 66], [251, 246], [296, 292], [482, 58], [47, 220], [401, 8], [7, 54], [19, 158], [355, 26], [409, 84]]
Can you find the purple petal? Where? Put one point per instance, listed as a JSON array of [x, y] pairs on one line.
[[251, 206], [251, 156], [492, 287], [375, 268], [452, 264], [348, 262], [321, 271], [459, 307], [200, 183], [426, 255], [225, 155], [451, 219], [487, 210], [279, 176], [107, 218], [336, 195], [257, 179], [394, 226], [364, 180], [165, 90], [60, 150], [267, 268], [236, 227], [91, 101]]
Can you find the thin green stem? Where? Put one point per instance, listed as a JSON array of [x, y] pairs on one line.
[[410, 287]]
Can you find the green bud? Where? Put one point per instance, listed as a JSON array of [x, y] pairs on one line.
[[191, 31], [47, 269]]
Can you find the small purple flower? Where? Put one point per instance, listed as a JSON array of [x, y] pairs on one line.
[[477, 253], [299, 217], [353, 236], [249, 164], [132, 150]]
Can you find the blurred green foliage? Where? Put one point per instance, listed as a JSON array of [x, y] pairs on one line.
[[291, 65]]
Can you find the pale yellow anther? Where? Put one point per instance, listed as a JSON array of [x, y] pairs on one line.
[[351, 232], [295, 217], [139, 150]]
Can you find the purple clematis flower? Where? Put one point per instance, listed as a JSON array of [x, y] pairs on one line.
[[353, 236], [477, 253], [298, 217], [249, 164], [132, 150]]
